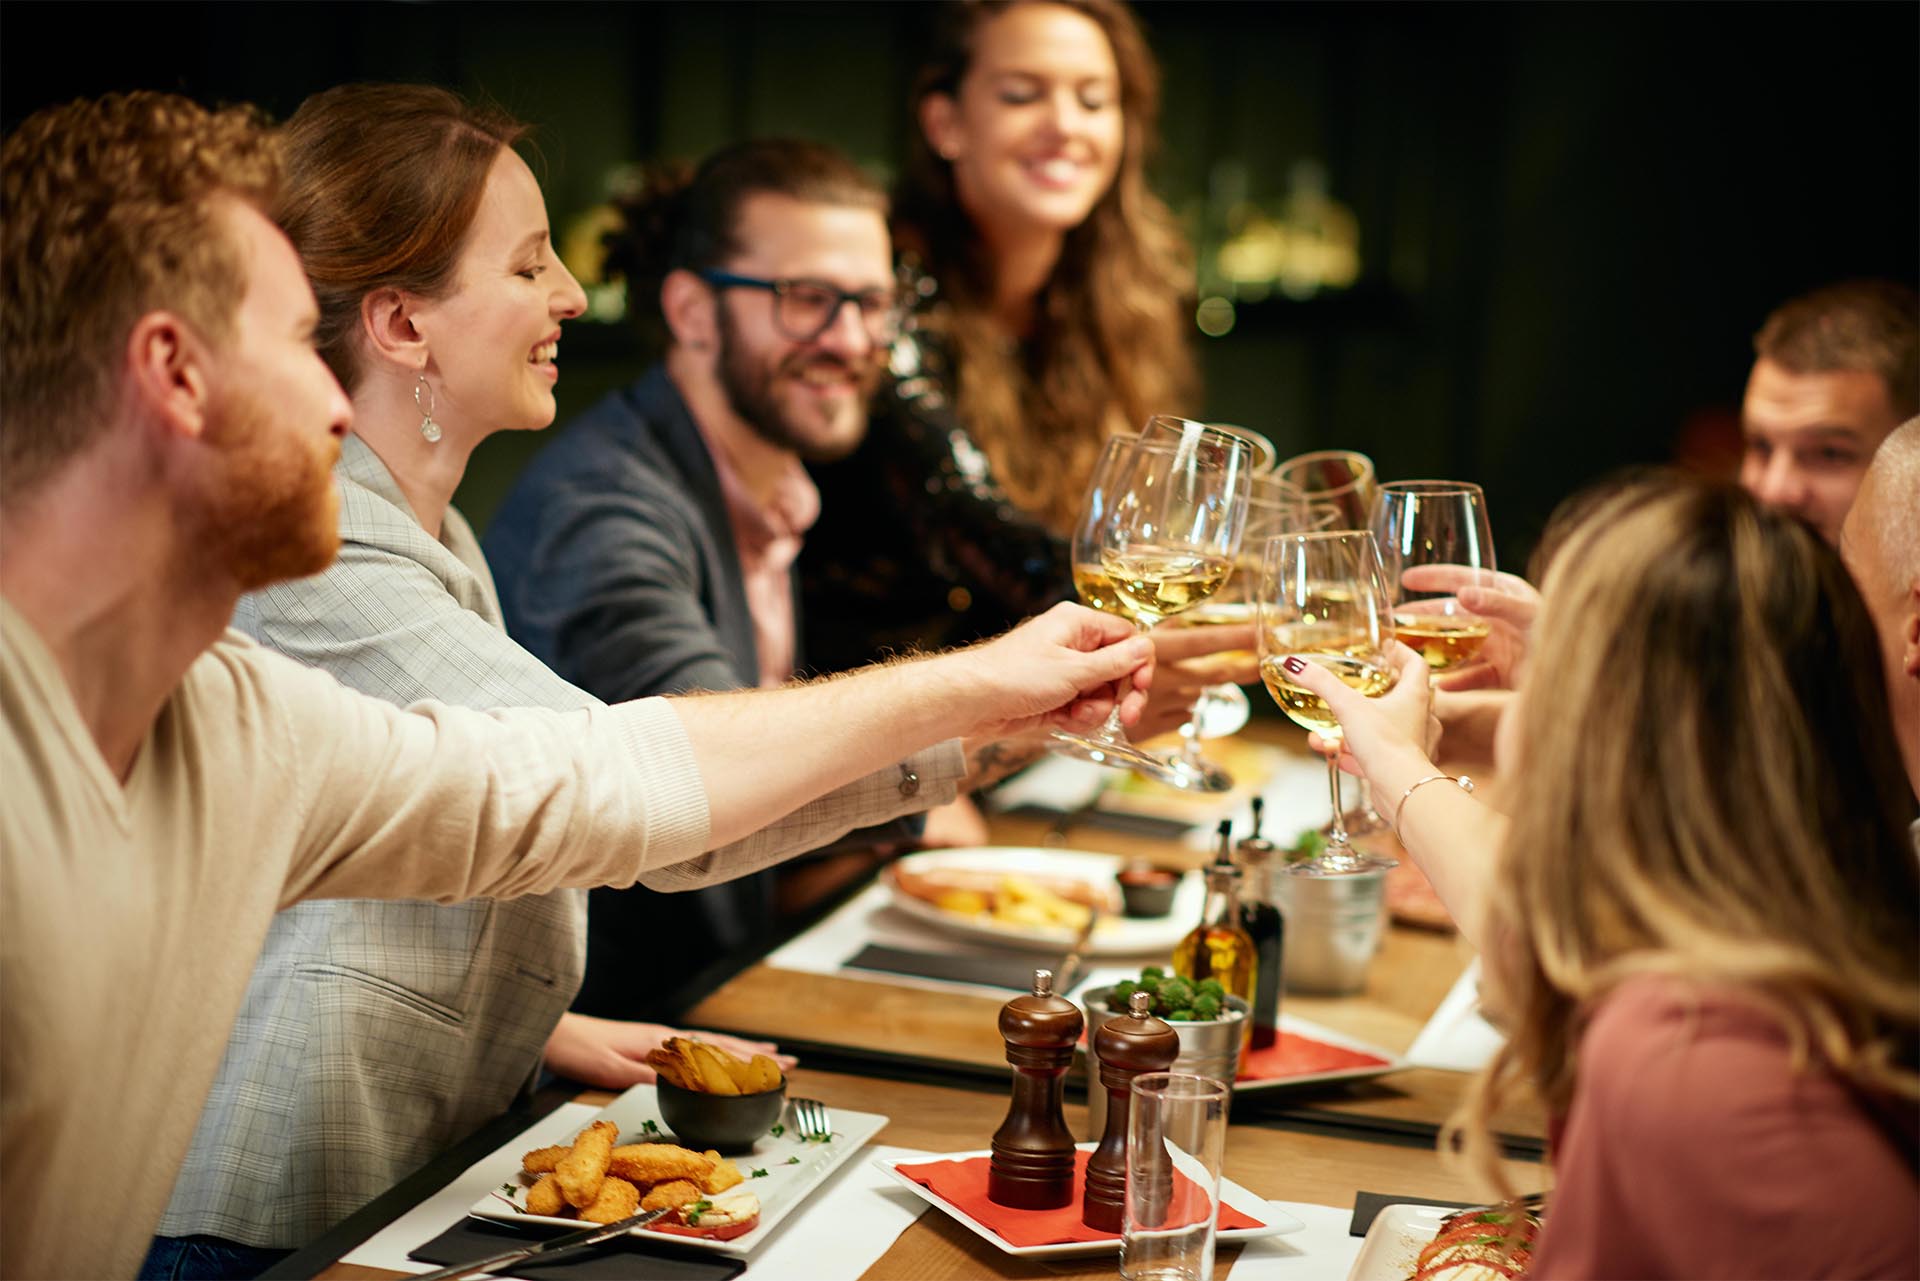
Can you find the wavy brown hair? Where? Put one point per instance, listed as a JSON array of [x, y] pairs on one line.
[[1712, 792], [1111, 347], [383, 184]]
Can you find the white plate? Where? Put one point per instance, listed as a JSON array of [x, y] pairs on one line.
[[1276, 1222], [782, 1188], [1116, 935], [1395, 1240]]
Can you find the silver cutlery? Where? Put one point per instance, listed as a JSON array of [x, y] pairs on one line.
[[591, 1235], [811, 1119]]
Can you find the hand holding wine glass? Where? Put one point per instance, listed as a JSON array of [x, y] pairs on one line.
[[1323, 603], [1440, 527]]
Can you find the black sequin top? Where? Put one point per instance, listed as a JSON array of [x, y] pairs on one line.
[[917, 546]]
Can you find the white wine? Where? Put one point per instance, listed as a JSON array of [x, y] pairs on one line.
[[1443, 640], [1095, 589], [1308, 709], [1221, 613], [1158, 583]]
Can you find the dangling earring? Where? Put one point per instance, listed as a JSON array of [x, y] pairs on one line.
[[428, 428]]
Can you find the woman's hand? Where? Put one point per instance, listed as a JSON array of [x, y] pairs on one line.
[[1379, 731], [613, 1054], [1506, 601]]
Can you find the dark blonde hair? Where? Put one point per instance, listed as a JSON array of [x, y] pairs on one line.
[[1112, 344], [383, 184], [111, 210], [1868, 325], [1712, 792]]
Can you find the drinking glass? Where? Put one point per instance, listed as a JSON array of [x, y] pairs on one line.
[[1176, 1145], [1158, 533], [1338, 486], [1322, 598], [1442, 523], [1273, 507]]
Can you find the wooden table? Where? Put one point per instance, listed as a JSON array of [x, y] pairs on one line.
[[1277, 1163]]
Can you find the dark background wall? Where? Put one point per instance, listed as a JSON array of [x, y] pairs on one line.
[[1572, 217]]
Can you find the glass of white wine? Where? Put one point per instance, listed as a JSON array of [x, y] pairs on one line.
[[1322, 598], [1441, 523], [1199, 482], [1338, 486]]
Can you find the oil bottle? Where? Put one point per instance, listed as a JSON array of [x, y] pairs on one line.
[[1219, 947]]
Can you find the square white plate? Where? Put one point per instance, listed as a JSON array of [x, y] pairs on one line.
[[1276, 1222], [1398, 1234], [794, 1168]]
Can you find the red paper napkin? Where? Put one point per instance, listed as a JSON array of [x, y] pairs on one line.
[[963, 1185], [1294, 1055]]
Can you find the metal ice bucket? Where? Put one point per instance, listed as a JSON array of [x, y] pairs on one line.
[[1206, 1049], [1333, 928]]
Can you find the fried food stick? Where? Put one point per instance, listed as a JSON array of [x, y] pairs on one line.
[[617, 1200], [671, 1196], [544, 1197], [542, 1160], [581, 1170], [725, 1174], [658, 1163]]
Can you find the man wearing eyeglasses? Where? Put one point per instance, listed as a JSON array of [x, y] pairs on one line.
[[649, 548]]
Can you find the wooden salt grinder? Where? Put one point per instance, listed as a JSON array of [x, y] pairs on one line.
[[1033, 1157], [1125, 1047]]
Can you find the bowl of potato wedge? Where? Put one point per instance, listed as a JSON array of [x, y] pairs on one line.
[[712, 1099]]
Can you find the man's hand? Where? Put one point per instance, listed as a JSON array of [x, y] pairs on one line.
[[1506, 601], [1185, 661], [1065, 668], [613, 1055]]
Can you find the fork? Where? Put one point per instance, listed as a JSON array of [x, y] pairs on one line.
[[812, 1119]]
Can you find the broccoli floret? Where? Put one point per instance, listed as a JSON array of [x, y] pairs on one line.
[[1177, 992], [1212, 988], [1122, 990], [1152, 972], [1206, 1007], [1151, 983], [1182, 1015]]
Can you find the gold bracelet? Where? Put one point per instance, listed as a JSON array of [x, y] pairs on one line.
[[1461, 781]]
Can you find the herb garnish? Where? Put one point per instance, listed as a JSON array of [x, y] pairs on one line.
[[693, 1212]]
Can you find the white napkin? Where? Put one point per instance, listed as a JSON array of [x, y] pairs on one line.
[[839, 1231], [1321, 1252], [1456, 1038]]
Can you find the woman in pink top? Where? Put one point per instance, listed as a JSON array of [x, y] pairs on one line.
[[1701, 920]]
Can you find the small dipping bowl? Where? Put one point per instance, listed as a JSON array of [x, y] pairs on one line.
[[724, 1122], [1146, 890]]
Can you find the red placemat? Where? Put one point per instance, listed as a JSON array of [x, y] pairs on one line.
[[1294, 1055], [963, 1185]]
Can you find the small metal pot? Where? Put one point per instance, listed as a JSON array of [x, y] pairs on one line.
[[1206, 1049], [1333, 928]]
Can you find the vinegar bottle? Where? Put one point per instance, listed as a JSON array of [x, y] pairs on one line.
[[1219, 947], [1261, 918]]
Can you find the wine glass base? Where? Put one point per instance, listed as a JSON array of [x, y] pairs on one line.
[[1198, 774], [1123, 755], [1352, 864], [1222, 710]]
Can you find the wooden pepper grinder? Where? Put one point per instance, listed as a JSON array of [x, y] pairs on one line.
[[1033, 1157], [1135, 1042]]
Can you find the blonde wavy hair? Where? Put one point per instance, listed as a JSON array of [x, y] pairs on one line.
[[1712, 791], [112, 212], [1112, 346]]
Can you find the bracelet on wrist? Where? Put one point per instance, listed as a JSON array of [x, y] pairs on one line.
[[1461, 781]]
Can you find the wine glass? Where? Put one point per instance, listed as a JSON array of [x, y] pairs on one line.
[[1158, 531], [1441, 523], [1337, 484], [1273, 507], [1322, 598]]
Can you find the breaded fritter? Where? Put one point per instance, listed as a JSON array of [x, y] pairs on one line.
[[671, 1196], [542, 1160], [544, 1197], [658, 1163], [582, 1170], [725, 1174], [617, 1200]]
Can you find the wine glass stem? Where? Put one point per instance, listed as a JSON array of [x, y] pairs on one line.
[[1337, 838]]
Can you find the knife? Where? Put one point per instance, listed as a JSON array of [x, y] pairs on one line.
[[592, 1235], [1069, 968]]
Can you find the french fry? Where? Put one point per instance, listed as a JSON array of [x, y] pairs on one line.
[[763, 1074], [712, 1065]]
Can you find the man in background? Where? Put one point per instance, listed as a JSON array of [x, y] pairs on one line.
[[1881, 545], [1835, 371]]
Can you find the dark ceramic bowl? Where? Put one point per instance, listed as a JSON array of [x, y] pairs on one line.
[[1146, 890], [725, 1122]]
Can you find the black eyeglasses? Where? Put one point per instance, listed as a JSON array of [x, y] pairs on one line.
[[805, 309]]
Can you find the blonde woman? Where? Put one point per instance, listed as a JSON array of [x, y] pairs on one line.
[[1701, 922]]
